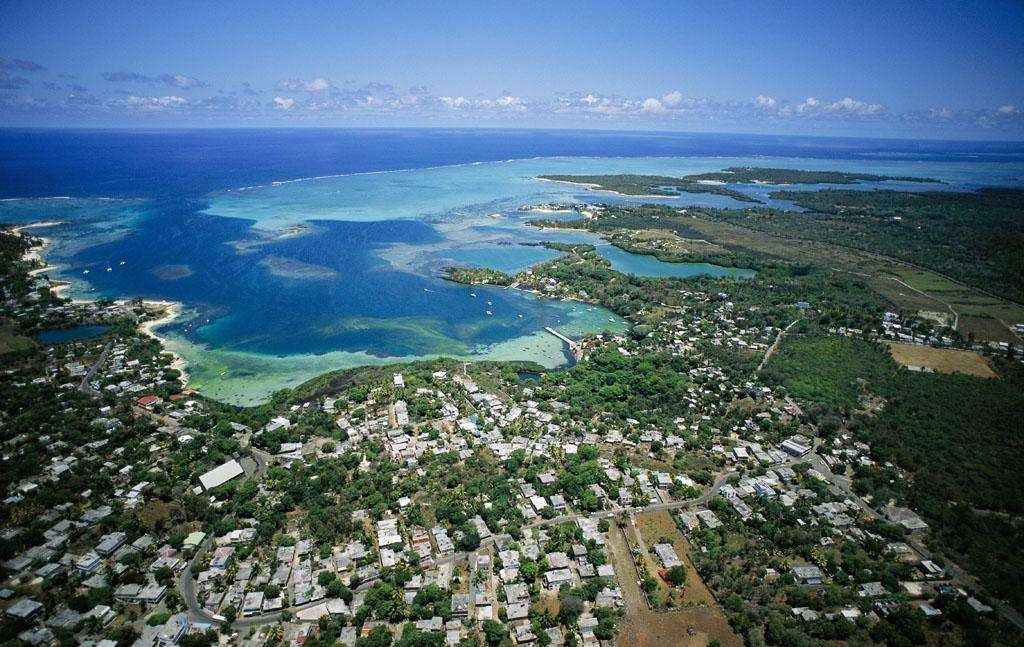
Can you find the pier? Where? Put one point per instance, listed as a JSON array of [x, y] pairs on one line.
[[574, 347]]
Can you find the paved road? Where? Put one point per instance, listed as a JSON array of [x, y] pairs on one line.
[[957, 575], [84, 385], [775, 344]]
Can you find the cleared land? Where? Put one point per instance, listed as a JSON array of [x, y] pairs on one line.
[[641, 627], [694, 626], [985, 329], [941, 360]]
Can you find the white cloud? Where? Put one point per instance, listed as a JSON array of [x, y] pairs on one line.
[[284, 104], [855, 107], [455, 102], [1007, 110], [505, 101], [652, 105], [672, 99], [845, 107], [319, 84], [809, 104], [181, 81], [149, 104], [764, 101]]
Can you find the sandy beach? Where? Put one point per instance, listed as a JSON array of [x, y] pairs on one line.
[[36, 252], [169, 310]]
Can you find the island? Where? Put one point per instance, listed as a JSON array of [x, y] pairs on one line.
[[791, 457]]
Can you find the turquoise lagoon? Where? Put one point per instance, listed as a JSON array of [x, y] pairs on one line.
[[284, 280]]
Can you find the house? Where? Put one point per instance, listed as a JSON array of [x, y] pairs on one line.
[[796, 445], [88, 562], [221, 474], [460, 606], [930, 568], [149, 401], [253, 604], [871, 590], [555, 578], [667, 554], [807, 575], [23, 609], [173, 630], [111, 542]]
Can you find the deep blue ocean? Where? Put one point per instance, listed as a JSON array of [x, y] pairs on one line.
[[294, 252]]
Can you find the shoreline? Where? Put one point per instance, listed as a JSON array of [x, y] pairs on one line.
[[35, 253], [596, 188], [171, 310]]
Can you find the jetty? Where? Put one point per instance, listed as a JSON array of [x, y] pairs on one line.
[[574, 347]]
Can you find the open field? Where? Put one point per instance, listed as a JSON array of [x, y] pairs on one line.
[[907, 287], [654, 526], [985, 329], [941, 360], [698, 618], [668, 241], [963, 300], [641, 627]]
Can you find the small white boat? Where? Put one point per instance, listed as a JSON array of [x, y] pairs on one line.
[[520, 316], [489, 313], [472, 295], [85, 271], [489, 303], [110, 269], [121, 263]]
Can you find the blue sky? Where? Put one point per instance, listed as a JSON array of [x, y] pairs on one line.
[[931, 69]]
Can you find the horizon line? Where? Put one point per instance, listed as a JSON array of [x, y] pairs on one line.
[[169, 129]]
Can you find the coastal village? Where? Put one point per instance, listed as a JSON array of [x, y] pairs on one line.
[[443, 503]]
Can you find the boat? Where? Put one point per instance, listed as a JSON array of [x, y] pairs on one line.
[[85, 271], [472, 295], [489, 303], [489, 313], [110, 269], [121, 263]]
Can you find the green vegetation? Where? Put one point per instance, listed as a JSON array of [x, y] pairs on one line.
[[957, 435], [651, 185], [975, 238], [960, 437], [752, 174], [828, 371], [477, 276]]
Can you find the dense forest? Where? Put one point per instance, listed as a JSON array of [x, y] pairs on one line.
[[656, 185], [976, 238], [960, 437], [752, 174]]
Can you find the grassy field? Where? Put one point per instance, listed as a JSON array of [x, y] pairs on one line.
[[941, 360], [11, 341], [915, 289]]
